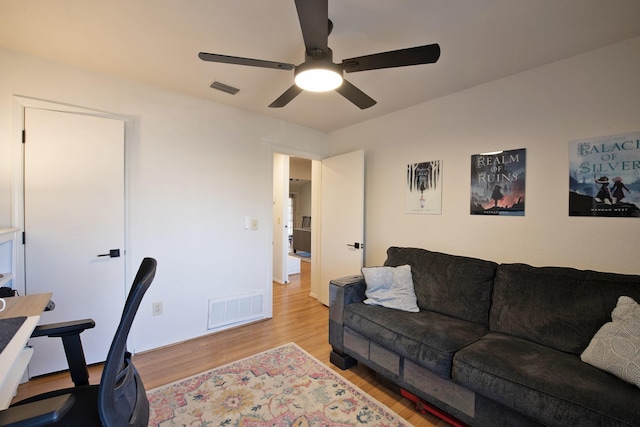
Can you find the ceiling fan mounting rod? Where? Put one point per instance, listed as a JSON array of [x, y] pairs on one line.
[[317, 54]]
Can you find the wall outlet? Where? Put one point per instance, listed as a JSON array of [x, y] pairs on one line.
[[157, 308]]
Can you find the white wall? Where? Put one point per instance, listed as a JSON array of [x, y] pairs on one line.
[[195, 170], [300, 172], [304, 203], [299, 168], [591, 95]]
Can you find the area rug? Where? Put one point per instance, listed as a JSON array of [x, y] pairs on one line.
[[304, 256], [285, 386]]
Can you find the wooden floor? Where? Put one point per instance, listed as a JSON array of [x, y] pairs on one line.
[[296, 318]]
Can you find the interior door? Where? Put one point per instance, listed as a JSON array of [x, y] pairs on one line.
[[74, 214], [342, 229]]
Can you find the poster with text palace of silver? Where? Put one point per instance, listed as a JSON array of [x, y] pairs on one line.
[[604, 176], [498, 183]]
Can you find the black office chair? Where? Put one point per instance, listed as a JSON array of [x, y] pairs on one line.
[[119, 400]]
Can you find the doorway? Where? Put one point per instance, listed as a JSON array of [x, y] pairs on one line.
[[300, 187], [292, 206], [337, 218]]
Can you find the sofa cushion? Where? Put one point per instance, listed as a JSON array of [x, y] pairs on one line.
[[390, 287], [558, 307], [554, 387], [615, 348], [429, 339], [448, 284]]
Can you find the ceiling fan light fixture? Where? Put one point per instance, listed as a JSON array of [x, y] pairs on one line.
[[318, 76]]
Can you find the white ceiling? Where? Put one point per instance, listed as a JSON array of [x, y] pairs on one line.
[[157, 42]]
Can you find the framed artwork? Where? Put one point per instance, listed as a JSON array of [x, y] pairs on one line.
[[498, 183], [423, 191], [604, 176]]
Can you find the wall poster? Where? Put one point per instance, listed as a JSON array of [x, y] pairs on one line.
[[604, 176], [498, 183], [423, 193]]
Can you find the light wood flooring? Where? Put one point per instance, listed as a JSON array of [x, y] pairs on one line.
[[296, 318]]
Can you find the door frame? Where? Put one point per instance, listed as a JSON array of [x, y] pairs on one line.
[[19, 105], [316, 205], [280, 188], [316, 214]]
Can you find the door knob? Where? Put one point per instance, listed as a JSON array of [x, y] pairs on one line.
[[356, 245], [113, 253]]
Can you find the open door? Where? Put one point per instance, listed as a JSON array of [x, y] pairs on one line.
[[342, 223]]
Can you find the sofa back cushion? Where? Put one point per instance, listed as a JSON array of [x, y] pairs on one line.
[[453, 285], [558, 307]]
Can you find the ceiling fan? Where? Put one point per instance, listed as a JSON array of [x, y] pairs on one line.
[[318, 72]]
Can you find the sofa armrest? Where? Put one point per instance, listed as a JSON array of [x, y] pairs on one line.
[[342, 292], [354, 288]]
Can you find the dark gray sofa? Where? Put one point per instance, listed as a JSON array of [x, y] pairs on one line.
[[493, 344]]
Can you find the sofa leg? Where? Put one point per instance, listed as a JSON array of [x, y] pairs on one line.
[[342, 361]]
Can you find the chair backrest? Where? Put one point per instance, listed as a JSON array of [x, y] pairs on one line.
[[122, 400]]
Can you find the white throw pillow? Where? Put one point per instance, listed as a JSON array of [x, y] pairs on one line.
[[390, 287], [615, 348]]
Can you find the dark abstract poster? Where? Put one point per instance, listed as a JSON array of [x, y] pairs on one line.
[[604, 176], [498, 183]]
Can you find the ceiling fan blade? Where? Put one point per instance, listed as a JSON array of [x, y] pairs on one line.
[[286, 97], [314, 22], [427, 54], [214, 57], [355, 95]]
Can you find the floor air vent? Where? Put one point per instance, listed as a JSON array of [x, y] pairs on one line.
[[227, 311]]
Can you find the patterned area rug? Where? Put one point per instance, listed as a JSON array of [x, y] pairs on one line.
[[285, 386]]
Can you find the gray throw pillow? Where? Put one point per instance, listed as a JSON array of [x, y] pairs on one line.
[[390, 287], [615, 348]]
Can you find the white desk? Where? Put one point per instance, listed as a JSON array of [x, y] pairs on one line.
[[15, 357]]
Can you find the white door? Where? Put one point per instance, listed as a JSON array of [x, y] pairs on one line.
[[342, 229], [74, 212]]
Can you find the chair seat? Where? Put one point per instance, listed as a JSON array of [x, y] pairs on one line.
[[84, 410]]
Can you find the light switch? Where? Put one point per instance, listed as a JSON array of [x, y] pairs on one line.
[[254, 224], [246, 222]]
